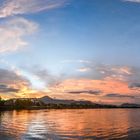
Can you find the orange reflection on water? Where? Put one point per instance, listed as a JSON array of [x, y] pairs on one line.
[[69, 124]]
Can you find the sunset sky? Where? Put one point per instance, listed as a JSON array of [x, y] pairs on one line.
[[70, 49]]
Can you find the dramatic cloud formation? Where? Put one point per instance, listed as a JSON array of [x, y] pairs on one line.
[[13, 84], [106, 86], [101, 80], [18, 7], [106, 79], [106, 89], [101, 83], [12, 33]]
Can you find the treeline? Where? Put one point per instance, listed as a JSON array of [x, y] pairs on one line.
[[18, 104], [23, 104], [77, 106], [36, 104], [2, 102]]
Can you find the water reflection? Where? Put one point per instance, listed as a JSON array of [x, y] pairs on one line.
[[70, 124]]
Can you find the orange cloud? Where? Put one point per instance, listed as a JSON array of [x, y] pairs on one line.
[[115, 86], [106, 86]]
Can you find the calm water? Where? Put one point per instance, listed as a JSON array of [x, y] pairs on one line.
[[70, 124]]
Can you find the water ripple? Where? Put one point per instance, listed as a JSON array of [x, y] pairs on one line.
[[99, 124]]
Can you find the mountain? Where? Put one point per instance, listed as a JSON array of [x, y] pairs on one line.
[[48, 100]]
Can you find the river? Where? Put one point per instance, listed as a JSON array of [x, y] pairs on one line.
[[70, 124]]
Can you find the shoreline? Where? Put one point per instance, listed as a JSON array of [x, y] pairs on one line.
[[44, 108]]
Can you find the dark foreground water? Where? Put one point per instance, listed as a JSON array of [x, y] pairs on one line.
[[86, 124]]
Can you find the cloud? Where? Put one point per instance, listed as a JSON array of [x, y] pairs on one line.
[[134, 85], [7, 89], [83, 70], [114, 72], [13, 29], [19, 7], [136, 1], [11, 77], [114, 95], [13, 32], [88, 85], [105, 90], [43, 75], [117, 72], [13, 84], [95, 92], [113, 82], [107, 70], [76, 61]]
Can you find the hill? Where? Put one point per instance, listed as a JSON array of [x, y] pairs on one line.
[[47, 102]]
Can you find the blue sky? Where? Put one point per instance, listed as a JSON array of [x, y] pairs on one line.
[[103, 31], [70, 39]]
